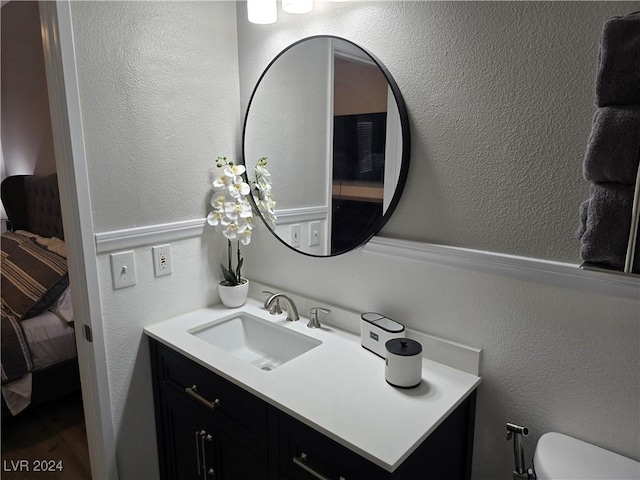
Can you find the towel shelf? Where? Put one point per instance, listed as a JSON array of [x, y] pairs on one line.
[[595, 267], [633, 235]]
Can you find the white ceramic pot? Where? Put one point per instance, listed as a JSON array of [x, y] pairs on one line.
[[233, 296], [403, 364]]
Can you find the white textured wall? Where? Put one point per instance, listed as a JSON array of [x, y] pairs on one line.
[[500, 98], [288, 124], [159, 95], [159, 100]]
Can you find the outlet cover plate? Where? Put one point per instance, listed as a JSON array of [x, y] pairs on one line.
[[161, 260], [296, 231]]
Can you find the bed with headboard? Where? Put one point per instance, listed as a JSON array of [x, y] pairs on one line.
[[39, 361]]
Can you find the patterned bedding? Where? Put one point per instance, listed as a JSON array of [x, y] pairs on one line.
[[33, 278]]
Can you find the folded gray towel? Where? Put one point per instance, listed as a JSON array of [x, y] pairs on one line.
[[618, 77], [605, 226], [584, 213], [613, 150]]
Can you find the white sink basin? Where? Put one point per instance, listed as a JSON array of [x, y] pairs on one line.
[[254, 340]]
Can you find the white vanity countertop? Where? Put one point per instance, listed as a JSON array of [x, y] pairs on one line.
[[338, 388]]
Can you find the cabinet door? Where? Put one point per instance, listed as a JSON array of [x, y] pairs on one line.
[[306, 454], [213, 432], [238, 463], [190, 447], [228, 405]]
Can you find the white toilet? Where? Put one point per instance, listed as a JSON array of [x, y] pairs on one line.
[[559, 457]]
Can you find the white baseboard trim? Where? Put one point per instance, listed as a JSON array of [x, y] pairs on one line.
[[143, 236], [557, 274]]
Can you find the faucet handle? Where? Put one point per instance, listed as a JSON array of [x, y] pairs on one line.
[[274, 308], [313, 316]]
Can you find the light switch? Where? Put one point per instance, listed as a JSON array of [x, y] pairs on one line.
[[314, 234], [123, 269]]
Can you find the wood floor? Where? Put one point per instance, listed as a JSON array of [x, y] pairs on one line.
[[48, 443]]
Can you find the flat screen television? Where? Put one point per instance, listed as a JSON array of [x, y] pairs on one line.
[[358, 147]]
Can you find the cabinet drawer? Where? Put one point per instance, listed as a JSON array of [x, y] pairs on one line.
[[230, 406], [302, 450]]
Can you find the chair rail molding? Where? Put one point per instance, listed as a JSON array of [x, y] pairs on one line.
[[143, 236], [557, 274]]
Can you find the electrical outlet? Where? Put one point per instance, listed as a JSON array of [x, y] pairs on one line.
[[161, 260], [314, 234], [123, 269], [295, 235]]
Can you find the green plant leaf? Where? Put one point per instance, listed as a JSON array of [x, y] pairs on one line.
[[238, 269], [228, 275]]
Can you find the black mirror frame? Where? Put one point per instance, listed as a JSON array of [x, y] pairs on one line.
[[406, 146]]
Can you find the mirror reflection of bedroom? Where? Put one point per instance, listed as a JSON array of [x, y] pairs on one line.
[[42, 411]]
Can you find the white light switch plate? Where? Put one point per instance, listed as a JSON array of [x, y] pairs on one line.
[[314, 234], [123, 269]]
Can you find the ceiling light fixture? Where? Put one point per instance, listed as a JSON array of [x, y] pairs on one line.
[[262, 12], [297, 6]]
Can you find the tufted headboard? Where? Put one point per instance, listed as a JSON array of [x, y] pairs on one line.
[[32, 203]]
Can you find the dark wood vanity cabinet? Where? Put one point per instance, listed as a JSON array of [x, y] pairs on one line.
[[210, 429], [207, 428]]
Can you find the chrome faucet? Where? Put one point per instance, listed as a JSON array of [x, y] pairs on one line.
[[292, 310], [313, 316], [274, 308]]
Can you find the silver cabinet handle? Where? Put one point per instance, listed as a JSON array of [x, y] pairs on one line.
[[193, 391], [201, 454], [301, 462], [204, 455], [198, 434]]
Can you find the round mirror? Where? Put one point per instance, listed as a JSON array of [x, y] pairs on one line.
[[328, 123]]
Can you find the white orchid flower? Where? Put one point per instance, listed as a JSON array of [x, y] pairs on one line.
[[238, 209], [271, 204], [263, 206], [263, 185], [217, 201], [231, 232], [261, 171], [231, 210], [215, 218], [222, 180], [267, 204], [266, 207], [238, 189], [245, 211], [234, 170], [244, 232]]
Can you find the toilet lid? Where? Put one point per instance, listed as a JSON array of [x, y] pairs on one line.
[[559, 457]]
